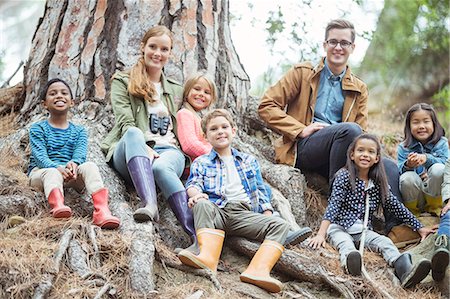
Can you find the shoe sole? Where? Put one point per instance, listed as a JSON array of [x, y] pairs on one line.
[[191, 260], [142, 215], [109, 224], [354, 263], [300, 238], [62, 213], [439, 264], [267, 283], [418, 274]]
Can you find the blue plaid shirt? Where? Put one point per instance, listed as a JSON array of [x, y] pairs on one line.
[[208, 176]]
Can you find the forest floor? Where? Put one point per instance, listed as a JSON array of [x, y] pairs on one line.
[[27, 250]]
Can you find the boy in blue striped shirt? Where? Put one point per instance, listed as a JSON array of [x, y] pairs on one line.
[[227, 194], [58, 157]]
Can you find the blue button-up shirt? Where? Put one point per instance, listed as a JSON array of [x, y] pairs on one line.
[[208, 175], [330, 97], [346, 206]]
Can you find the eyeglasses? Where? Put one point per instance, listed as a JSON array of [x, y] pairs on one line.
[[344, 44]]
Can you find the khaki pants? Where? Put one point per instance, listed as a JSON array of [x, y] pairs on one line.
[[238, 219], [47, 179]]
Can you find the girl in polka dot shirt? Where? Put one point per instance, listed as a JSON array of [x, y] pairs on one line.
[[343, 220]]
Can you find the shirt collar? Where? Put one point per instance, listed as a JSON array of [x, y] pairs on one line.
[[330, 76], [234, 152]]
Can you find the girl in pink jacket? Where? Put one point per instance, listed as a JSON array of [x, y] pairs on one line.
[[198, 94]]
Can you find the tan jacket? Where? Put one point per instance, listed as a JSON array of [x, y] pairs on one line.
[[288, 106]]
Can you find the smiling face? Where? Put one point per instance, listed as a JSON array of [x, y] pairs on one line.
[[200, 95], [156, 52], [220, 134], [58, 98], [337, 57], [421, 125], [365, 154]]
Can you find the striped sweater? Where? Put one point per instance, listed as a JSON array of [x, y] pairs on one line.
[[51, 147]]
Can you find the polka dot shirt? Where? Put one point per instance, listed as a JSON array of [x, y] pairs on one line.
[[346, 206]]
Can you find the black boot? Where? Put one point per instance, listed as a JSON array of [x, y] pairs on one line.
[[409, 274], [141, 173], [440, 259], [298, 236], [353, 263], [178, 202]]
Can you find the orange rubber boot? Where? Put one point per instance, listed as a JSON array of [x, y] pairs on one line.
[[258, 272], [56, 202], [210, 242], [102, 215]]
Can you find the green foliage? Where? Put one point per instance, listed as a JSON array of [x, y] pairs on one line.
[[442, 105], [409, 53]]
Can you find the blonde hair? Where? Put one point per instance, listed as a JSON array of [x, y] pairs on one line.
[[217, 113], [189, 84], [139, 84]]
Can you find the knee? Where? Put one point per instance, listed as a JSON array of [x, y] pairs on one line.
[[89, 166], [436, 171], [409, 179], [203, 205], [52, 173], [352, 130], [133, 134]]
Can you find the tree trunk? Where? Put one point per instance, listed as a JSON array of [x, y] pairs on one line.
[[85, 42]]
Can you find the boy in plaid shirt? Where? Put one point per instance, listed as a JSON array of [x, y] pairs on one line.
[[227, 194]]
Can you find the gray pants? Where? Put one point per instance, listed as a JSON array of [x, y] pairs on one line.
[[413, 188], [238, 219], [340, 239]]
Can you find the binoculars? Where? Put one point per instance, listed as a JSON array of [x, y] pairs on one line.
[[159, 124]]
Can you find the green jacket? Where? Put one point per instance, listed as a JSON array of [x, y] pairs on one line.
[[130, 111]]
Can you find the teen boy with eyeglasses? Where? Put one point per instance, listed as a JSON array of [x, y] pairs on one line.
[[319, 110]]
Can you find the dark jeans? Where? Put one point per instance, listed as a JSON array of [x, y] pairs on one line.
[[393, 177], [325, 152]]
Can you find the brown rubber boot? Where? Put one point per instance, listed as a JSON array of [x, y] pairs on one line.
[[258, 272]]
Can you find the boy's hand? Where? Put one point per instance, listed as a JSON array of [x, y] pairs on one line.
[[66, 174], [72, 167], [196, 198], [317, 241], [445, 208], [268, 213], [425, 231]]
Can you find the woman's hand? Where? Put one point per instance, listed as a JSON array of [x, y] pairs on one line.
[[196, 198], [445, 208], [152, 153]]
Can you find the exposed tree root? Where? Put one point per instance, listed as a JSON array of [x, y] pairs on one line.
[[45, 286]]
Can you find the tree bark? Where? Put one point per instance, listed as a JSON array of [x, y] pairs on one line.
[[85, 42]]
